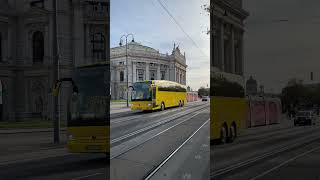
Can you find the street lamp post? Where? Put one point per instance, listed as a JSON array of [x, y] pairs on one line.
[[126, 36]]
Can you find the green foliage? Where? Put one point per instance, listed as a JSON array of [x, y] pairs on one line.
[[298, 94], [222, 87], [202, 91]]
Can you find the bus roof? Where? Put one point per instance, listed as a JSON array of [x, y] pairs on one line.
[[161, 82]]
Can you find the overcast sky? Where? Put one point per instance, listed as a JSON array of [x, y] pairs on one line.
[[152, 27], [276, 51]]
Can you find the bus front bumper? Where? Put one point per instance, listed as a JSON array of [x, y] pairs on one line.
[[142, 106]]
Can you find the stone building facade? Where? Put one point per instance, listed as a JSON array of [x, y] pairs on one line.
[[227, 29], [26, 56], [144, 63]]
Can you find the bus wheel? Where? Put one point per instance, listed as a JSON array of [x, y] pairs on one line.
[[162, 107], [223, 135], [233, 133]]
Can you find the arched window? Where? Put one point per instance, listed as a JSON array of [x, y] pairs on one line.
[[37, 47], [98, 46], [121, 76]]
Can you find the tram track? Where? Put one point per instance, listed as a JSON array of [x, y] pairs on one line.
[[158, 123], [115, 152], [138, 115], [277, 151], [157, 168]]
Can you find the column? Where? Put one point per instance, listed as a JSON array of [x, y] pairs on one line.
[[158, 72], [221, 46], [232, 60], [134, 72], [241, 54], [147, 71], [185, 77]]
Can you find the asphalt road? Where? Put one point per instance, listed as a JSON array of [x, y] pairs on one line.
[[33, 156], [273, 152], [143, 144]]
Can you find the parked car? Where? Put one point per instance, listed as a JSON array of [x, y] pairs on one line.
[[205, 98], [305, 118]]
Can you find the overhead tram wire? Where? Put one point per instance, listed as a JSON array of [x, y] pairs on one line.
[[181, 28]]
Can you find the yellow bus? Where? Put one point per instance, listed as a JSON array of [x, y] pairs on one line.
[[88, 121], [228, 106], [157, 94]]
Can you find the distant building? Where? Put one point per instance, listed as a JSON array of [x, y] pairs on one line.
[[144, 63], [251, 86]]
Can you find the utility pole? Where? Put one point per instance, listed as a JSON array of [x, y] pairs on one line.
[[55, 119], [126, 36]]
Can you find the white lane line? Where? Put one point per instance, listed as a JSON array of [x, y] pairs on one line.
[[174, 152], [119, 120], [87, 176], [116, 154], [263, 156], [284, 163], [158, 123]]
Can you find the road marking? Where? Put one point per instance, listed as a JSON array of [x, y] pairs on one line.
[[263, 156], [158, 123], [284, 163], [119, 120], [113, 155], [87, 176], [175, 151]]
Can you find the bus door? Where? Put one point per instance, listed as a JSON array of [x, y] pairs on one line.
[[154, 95]]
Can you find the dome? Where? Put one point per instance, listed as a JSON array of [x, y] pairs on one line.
[[251, 81]]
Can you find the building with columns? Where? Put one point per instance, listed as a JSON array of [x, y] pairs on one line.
[[26, 55], [144, 63], [227, 29]]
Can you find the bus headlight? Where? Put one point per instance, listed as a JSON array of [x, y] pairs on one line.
[[149, 104]]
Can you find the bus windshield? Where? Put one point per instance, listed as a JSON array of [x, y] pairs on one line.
[[89, 106], [141, 91]]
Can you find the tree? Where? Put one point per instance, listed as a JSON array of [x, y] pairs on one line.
[[203, 91]]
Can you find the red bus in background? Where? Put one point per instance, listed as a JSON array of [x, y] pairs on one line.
[[192, 96], [263, 111]]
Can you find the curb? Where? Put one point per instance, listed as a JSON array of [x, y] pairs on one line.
[[21, 131]]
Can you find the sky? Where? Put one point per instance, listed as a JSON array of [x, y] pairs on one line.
[[276, 51], [153, 27]]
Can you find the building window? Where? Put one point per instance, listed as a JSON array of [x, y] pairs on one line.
[[38, 3], [121, 76], [177, 77], [140, 74], [98, 46], [152, 75], [163, 75], [180, 78], [38, 47]]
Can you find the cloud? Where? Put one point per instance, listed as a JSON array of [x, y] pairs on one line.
[[278, 50], [152, 27]]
